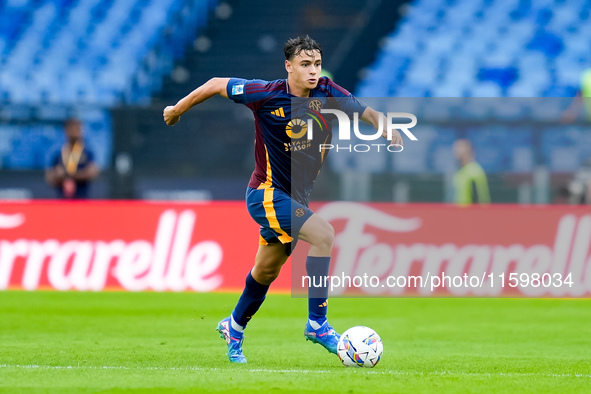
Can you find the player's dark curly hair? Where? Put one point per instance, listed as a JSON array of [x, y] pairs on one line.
[[294, 46]]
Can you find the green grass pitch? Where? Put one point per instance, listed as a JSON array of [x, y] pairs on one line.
[[153, 342]]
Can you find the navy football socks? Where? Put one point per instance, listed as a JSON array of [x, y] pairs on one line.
[[317, 270], [250, 301]]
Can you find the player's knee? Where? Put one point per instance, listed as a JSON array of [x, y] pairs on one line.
[[325, 237], [268, 276]]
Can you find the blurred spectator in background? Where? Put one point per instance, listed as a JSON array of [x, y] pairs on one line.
[[580, 187], [583, 98], [72, 167], [471, 185]]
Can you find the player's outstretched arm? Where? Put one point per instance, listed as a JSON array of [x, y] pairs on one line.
[[372, 117], [214, 86]]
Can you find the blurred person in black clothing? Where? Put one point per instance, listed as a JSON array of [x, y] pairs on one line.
[[72, 168]]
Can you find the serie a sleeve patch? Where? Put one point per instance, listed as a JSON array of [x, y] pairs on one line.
[[237, 89]]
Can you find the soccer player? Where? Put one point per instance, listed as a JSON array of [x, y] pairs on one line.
[[279, 188]]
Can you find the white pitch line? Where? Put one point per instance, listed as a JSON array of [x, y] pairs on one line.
[[302, 371]]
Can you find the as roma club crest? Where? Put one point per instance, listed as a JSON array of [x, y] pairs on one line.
[[315, 105]]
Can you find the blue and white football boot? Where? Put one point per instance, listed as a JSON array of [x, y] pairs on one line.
[[234, 340], [325, 335]]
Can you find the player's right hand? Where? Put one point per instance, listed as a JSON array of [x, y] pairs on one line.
[[170, 117], [396, 138]]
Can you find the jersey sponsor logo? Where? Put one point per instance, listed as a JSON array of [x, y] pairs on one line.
[[278, 112], [315, 105], [297, 145], [296, 128], [237, 89]]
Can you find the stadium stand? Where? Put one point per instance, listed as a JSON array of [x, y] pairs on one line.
[[256, 31], [484, 48], [93, 59], [92, 52], [80, 58]]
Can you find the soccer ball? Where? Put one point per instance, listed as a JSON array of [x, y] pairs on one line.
[[360, 347]]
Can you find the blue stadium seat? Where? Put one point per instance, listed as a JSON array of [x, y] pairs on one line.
[[562, 148], [72, 55], [68, 48], [440, 156], [525, 48]]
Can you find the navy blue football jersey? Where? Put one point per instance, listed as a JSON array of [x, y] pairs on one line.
[[286, 158]]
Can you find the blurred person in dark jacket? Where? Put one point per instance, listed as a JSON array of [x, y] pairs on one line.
[[72, 168]]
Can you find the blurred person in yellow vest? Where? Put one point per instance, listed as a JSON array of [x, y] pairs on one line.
[[471, 185]]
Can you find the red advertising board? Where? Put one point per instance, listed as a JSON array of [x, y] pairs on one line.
[[425, 250], [455, 251], [132, 246]]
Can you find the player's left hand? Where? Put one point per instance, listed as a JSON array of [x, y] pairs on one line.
[[170, 117]]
